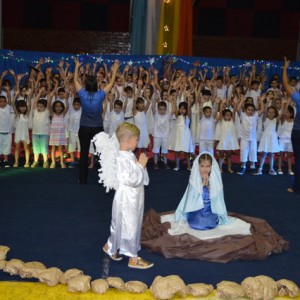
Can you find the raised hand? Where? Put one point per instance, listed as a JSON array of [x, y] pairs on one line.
[[196, 64], [77, 62], [41, 61], [20, 76], [286, 63], [115, 66], [61, 64], [4, 73]]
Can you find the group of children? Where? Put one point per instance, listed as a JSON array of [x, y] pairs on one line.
[[220, 114]]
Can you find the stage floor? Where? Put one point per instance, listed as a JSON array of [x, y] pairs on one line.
[[46, 216]]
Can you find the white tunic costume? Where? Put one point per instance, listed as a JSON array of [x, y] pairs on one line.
[[195, 123], [22, 131], [284, 133], [161, 133], [140, 121], [180, 136], [128, 206], [114, 121], [228, 139], [150, 116], [269, 138]]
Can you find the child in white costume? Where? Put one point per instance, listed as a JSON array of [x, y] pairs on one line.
[[22, 111], [121, 170], [228, 140], [5, 128], [180, 139], [248, 126], [117, 109], [269, 139], [207, 128], [73, 127], [161, 131], [140, 120], [284, 134], [40, 130], [195, 124]]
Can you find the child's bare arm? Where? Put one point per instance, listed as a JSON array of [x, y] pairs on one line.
[[222, 104], [240, 105], [262, 105], [189, 110], [125, 105], [4, 73], [77, 83], [148, 104], [285, 80], [13, 101], [36, 99], [13, 74]]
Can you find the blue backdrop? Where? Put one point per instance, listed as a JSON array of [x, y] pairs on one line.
[[20, 60]]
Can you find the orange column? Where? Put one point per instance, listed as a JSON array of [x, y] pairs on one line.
[[185, 38]]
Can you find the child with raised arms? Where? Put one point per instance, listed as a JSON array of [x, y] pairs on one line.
[[269, 139], [22, 111], [73, 127], [139, 111], [57, 129], [207, 127], [180, 139], [248, 128], [40, 128], [161, 131], [5, 128], [128, 95], [116, 116], [228, 141], [285, 136]]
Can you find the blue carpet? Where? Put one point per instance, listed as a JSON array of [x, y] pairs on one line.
[[46, 216]]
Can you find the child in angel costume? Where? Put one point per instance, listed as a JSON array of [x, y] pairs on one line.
[[121, 171]]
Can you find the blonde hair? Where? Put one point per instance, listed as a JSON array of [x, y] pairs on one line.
[[126, 130]]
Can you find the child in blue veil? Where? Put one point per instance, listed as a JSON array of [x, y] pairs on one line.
[[203, 204]]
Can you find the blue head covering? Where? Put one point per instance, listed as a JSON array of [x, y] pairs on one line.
[[192, 199]]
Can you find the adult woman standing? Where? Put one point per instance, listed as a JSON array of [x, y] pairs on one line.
[[91, 121], [296, 129]]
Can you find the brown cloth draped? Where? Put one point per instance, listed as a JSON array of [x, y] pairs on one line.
[[262, 242]]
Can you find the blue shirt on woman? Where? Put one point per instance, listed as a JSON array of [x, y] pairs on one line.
[[91, 104], [296, 98]]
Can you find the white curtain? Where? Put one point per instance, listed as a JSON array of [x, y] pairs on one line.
[[153, 19]]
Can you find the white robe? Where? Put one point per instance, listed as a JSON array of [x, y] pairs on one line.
[[128, 206]]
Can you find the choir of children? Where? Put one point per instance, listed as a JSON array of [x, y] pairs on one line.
[[221, 114]]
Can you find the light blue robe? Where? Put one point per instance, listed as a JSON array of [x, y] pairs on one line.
[[192, 199]]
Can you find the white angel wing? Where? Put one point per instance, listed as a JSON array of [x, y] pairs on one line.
[[107, 148]]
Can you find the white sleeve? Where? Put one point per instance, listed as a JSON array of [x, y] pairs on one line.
[[129, 173]]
